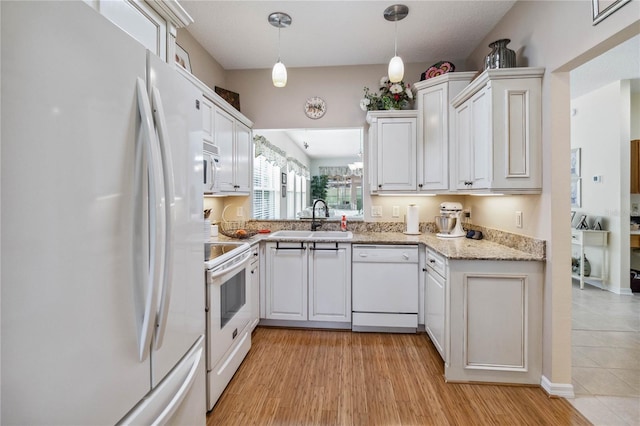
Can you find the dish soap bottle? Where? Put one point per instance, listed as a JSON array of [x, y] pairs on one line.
[[343, 223]]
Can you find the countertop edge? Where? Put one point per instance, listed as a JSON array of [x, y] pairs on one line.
[[452, 249]]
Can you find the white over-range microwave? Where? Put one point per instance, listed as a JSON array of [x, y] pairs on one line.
[[211, 166]]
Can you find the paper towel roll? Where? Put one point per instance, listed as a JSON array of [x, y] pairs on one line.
[[412, 219]]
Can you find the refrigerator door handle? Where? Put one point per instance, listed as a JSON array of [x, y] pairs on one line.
[[169, 193], [160, 404], [145, 318]]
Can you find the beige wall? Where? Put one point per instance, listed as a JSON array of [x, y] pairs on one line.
[[282, 108], [203, 66], [559, 36]]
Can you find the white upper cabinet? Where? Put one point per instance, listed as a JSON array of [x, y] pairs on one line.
[[392, 150], [242, 158], [234, 140], [497, 143], [207, 120], [152, 23], [435, 128], [229, 130]]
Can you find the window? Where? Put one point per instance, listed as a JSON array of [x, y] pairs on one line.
[[266, 189]]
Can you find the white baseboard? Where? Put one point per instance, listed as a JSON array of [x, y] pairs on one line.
[[563, 390]]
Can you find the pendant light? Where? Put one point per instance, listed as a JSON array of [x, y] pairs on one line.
[[279, 73], [396, 13]]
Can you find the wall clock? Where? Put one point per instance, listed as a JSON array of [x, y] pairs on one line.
[[315, 107]]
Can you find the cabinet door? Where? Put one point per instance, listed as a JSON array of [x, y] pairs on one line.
[[223, 126], [464, 148], [397, 152], [286, 281], [435, 309], [330, 282], [207, 120], [481, 140], [434, 171], [242, 154], [140, 21]]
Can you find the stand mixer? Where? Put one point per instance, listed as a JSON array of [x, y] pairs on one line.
[[449, 213]]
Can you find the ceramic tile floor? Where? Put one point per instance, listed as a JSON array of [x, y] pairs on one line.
[[606, 356]]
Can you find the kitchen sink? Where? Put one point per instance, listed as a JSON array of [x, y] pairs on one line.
[[337, 235], [291, 234], [313, 235]]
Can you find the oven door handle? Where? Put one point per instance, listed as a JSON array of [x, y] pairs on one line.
[[239, 264]]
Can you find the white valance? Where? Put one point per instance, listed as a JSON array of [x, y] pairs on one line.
[[272, 153], [298, 168], [337, 172]]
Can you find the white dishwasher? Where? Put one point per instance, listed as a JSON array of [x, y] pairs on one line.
[[385, 288]]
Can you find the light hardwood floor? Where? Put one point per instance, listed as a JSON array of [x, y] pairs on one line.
[[316, 377]]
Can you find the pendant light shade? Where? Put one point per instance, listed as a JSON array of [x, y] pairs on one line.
[[396, 69], [396, 13], [279, 75], [279, 72]]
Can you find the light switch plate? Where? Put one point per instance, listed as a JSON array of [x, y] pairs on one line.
[[240, 212], [376, 211], [518, 219], [396, 211]]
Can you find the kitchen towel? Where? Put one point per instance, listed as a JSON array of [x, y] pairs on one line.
[[412, 219]]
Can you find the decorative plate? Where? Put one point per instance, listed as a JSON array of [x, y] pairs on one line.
[[437, 69], [315, 107]]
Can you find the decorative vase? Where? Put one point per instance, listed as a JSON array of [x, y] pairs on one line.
[[500, 56]]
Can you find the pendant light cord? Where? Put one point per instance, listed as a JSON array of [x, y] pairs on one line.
[[395, 45], [279, 28]]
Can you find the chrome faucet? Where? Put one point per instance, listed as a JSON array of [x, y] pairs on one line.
[[314, 225]]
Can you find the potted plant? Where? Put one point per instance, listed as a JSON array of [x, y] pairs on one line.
[[319, 186], [391, 96]]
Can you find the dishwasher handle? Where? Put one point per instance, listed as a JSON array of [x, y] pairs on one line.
[[385, 254]]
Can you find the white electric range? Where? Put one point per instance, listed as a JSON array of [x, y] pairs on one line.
[[228, 312]]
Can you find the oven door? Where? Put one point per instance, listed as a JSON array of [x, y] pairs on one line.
[[228, 310]]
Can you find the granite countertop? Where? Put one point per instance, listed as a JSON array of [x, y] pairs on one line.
[[452, 248]]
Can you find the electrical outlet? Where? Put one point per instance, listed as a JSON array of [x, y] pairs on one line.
[[240, 212], [396, 211], [376, 211], [518, 219]]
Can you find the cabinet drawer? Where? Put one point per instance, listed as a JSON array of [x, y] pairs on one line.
[[635, 241], [436, 262]]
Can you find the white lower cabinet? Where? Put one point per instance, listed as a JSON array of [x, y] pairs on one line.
[[330, 282], [435, 300], [309, 283], [495, 321]]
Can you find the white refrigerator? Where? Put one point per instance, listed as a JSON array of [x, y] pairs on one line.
[[102, 308]]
